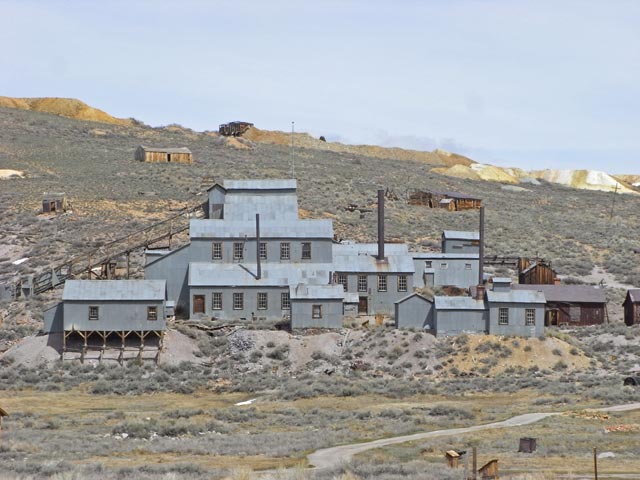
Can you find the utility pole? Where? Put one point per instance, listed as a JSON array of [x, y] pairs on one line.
[[595, 463], [293, 164]]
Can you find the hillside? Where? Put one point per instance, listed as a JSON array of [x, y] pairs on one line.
[[65, 107]]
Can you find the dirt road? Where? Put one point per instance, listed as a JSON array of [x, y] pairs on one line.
[[333, 456]]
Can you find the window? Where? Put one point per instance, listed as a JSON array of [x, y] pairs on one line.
[[503, 316], [402, 283], [238, 301], [457, 247], [530, 317], [341, 279], [152, 313], [263, 250], [285, 301], [285, 251], [93, 313], [444, 266], [306, 250], [216, 301], [316, 311], [362, 283], [216, 251], [428, 264], [467, 266], [238, 250], [262, 301], [382, 283]]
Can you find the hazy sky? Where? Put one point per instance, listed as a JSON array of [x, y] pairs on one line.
[[532, 84]]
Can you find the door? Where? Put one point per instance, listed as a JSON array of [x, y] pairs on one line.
[[198, 304], [552, 318], [363, 305]]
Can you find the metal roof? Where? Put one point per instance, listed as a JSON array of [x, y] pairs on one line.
[[502, 280], [365, 263], [90, 290], [165, 150], [369, 248], [457, 235], [53, 195], [516, 296], [633, 294], [415, 294], [458, 303], [351, 297], [312, 292], [244, 274], [444, 256], [205, 228], [567, 293], [288, 184]]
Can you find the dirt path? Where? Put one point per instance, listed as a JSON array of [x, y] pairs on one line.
[[334, 456]]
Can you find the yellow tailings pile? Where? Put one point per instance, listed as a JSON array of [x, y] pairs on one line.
[[65, 107], [479, 171], [304, 140]]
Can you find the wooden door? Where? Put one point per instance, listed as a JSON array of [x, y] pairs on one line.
[[363, 305], [198, 304]]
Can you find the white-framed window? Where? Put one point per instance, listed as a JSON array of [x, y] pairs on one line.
[[94, 313], [285, 251], [467, 266], [382, 283], [216, 301], [503, 316], [444, 265], [341, 279], [262, 300], [285, 301], [152, 313], [216, 251], [362, 283], [316, 311], [402, 283], [306, 250], [263, 250], [238, 251], [238, 301], [530, 317]]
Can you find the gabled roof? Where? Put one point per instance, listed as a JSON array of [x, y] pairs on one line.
[[369, 249], [633, 295], [458, 303], [457, 235], [515, 296], [368, 263], [444, 256], [103, 290], [567, 293], [411, 295], [165, 149], [286, 184], [308, 228]]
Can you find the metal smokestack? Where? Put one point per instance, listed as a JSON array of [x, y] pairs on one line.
[[380, 225], [481, 255], [259, 265]]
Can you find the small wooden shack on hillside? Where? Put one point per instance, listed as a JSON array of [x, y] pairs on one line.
[[161, 154], [631, 307], [451, 201], [54, 202]]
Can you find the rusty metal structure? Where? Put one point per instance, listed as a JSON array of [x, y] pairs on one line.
[[234, 129], [452, 201]]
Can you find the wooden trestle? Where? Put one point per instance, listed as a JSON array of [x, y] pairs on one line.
[[104, 335]]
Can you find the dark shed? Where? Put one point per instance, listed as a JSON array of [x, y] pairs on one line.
[[527, 445], [537, 272], [54, 202], [3, 413], [631, 304], [632, 381]]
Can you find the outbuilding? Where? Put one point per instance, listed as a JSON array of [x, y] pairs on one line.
[[631, 307], [414, 311], [162, 154], [54, 202]]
